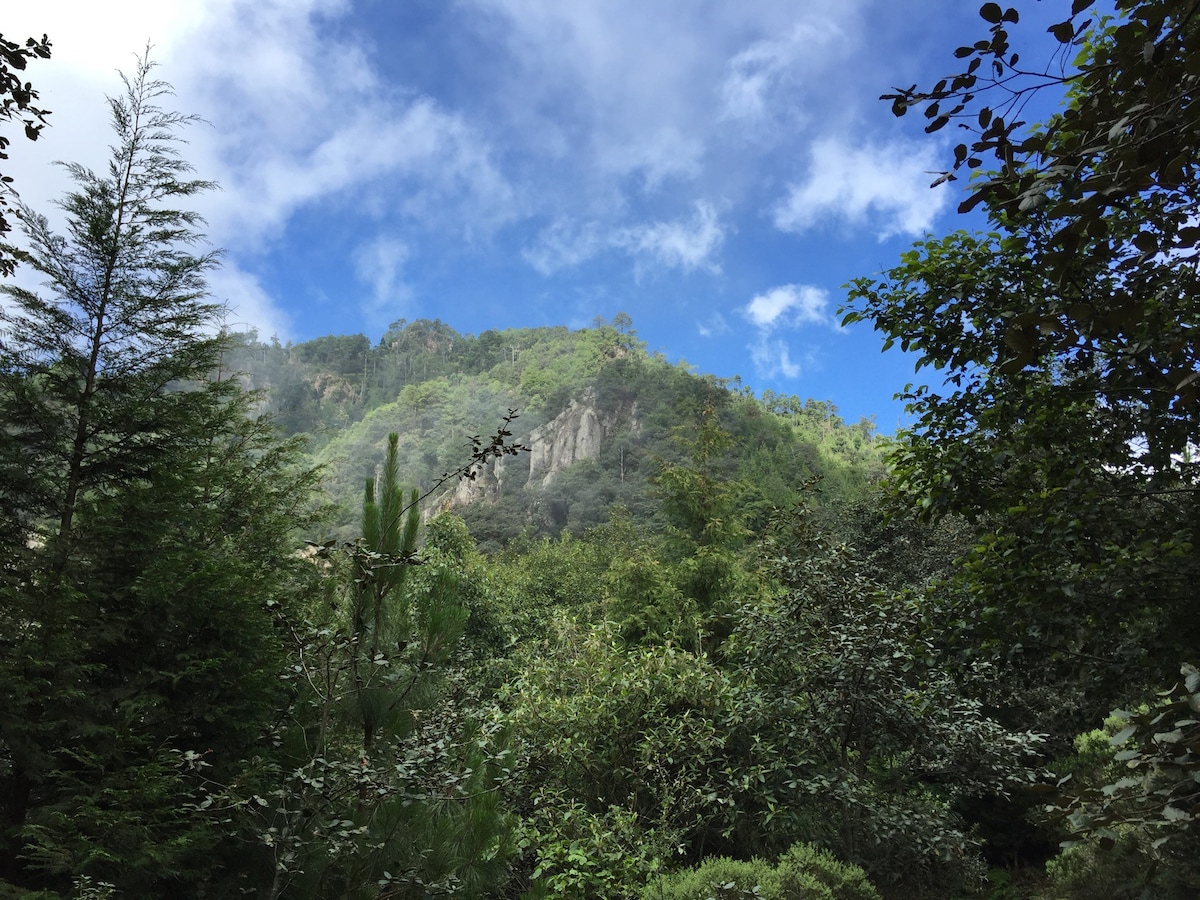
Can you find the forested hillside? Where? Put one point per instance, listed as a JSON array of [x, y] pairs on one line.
[[536, 613], [599, 415]]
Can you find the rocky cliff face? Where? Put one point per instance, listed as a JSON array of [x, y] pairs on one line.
[[488, 484], [575, 434]]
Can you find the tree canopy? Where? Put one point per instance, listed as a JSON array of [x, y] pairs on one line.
[[1068, 417]]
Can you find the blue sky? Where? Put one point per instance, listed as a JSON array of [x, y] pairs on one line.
[[717, 170]]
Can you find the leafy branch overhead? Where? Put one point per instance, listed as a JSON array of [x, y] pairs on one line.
[[1125, 138], [16, 102]]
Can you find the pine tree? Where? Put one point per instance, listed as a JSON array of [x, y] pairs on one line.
[[390, 791], [145, 522]]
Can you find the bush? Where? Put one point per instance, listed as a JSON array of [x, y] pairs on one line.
[[1129, 869], [804, 872], [720, 878], [844, 881], [584, 854]]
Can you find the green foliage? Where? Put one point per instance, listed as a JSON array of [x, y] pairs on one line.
[[449, 546], [534, 580], [1129, 801], [1123, 141], [383, 785], [147, 521], [433, 418], [804, 872], [885, 745], [433, 385], [1124, 869], [844, 881], [647, 604], [898, 548], [719, 878], [122, 322], [586, 854], [16, 102], [657, 737], [1066, 424]]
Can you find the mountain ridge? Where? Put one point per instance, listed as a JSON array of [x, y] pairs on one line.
[[599, 414]]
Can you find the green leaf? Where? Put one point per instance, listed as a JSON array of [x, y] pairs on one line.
[[991, 12], [1063, 32], [1123, 735]]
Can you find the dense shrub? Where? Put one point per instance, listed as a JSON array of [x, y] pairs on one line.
[[804, 872]]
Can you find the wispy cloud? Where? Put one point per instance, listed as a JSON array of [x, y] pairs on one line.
[[660, 156], [380, 265], [760, 78], [679, 244], [786, 307], [250, 304], [772, 359], [418, 162], [790, 305], [881, 186], [564, 245], [299, 117], [713, 326], [685, 244]]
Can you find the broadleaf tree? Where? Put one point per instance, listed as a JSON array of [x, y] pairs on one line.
[[1067, 419]]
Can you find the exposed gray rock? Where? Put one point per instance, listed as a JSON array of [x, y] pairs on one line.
[[487, 484], [575, 434]]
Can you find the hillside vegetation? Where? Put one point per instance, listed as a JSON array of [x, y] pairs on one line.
[[436, 388], [663, 638]]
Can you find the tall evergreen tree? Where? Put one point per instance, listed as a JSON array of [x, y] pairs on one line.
[[145, 521], [387, 790]]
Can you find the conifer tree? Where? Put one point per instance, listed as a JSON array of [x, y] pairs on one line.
[[145, 527], [388, 791]]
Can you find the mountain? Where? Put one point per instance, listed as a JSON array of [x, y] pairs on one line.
[[598, 416]]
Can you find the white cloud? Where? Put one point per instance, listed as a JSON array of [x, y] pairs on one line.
[[790, 305], [564, 245], [298, 118], [678, 244], [758, 77], [772, 359], [621, 96], [713, 326], [881, 186], [787, 306], [380, 265], [684, 244], [419, 162], [664, 154], [249, 304]]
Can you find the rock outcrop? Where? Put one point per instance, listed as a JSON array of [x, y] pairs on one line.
[[577, 433], [488, 484]]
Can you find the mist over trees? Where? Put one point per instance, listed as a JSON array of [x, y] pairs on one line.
[[331, 619]]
